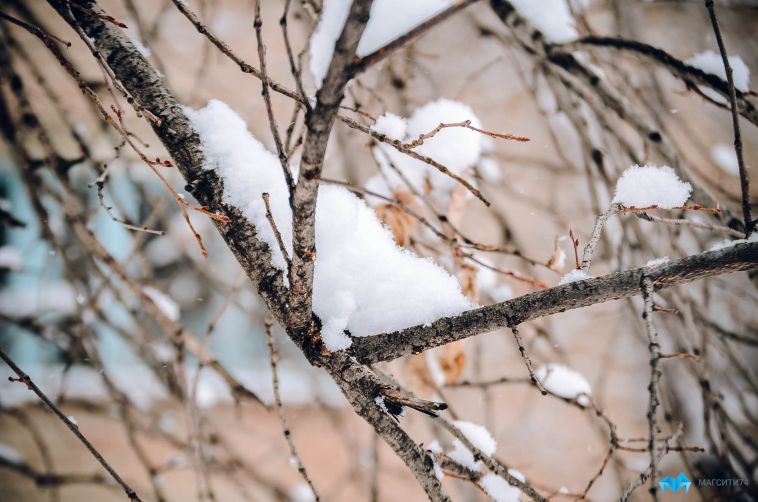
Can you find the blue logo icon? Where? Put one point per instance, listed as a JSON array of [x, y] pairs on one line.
[[675, 484]]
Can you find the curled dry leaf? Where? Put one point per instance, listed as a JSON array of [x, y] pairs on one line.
[[399, 221], [425, 373], [558, 260]]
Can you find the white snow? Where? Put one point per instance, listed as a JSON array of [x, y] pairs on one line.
[[248, 170], [28, 301], [649, 185], [727, 243], [10, 259], [435, 370], [564, 382], [463, 456], [136, 41], [725, 157], [391, 125], [302, 493], [10, 454], [552, 17], [355, 250], [457, 148], [434, 447], [575, 275], [164, 303], [657, 261], [389, 19], [489, 169], [478, 435], [438, 472], [499, 489], [711, 62]]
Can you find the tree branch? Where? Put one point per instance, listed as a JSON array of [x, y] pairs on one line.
[[319, 125], [579, 294]]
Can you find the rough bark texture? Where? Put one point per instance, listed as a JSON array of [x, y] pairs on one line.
[[558, 299]]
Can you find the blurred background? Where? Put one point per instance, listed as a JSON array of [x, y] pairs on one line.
[[81, 334]]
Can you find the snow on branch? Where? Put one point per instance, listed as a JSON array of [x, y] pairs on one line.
[[354, 248], [649, 185], [389, 19]]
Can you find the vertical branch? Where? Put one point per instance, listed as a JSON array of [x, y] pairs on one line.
[[527, 360], [589, 249], [319, 125], [258, 23], [744, 180], [654, 348], [273, 356], [26, 380]]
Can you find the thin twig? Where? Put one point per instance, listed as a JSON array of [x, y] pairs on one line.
[[258, 23], [26, 380], [273, 356], [744, 180]]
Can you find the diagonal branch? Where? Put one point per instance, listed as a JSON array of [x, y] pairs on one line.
[[182, 142], [551, 301]]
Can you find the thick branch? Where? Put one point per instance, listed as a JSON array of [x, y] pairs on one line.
[[182, 142], [319, 123], [579, 294]]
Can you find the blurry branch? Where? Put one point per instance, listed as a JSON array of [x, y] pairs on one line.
[[277, 87], [26, 380], [645, 475], [52, 480], [136, 75], [744, 180], [180, 139], [558, 299], [381, 53], [691, 76], [492, 463], [273, 356]]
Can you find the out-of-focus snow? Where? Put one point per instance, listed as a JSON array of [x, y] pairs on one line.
[[389, 19], [499, 489], [725, 157], [565, 382], [10, 259], [478, 435], [164, 303], [457, 148], [711, 62], [552, 17]]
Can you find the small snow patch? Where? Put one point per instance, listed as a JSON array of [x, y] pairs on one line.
[[564, 382], [499, 489], [479, 436], [575, 275], [645, 186]]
